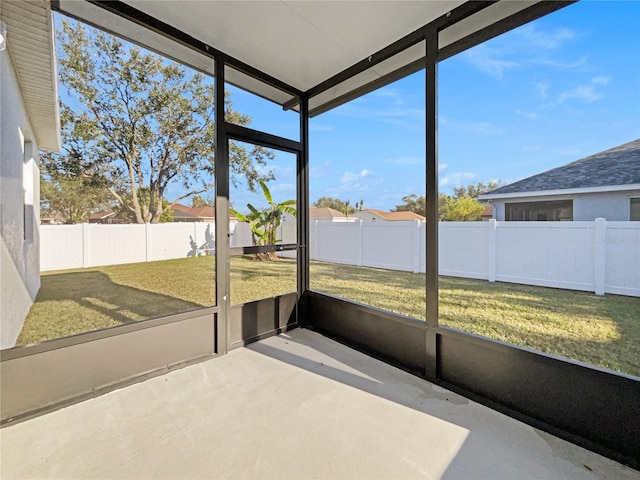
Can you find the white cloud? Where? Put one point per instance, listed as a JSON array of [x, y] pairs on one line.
[[315, 127], [529, 115], [483, 128], [282, 188], [577, 65], [489, 60], [530, 35], [532, 148], [319, 171], [413, 118], [601, 80], [394, 95], [523, 47], [542, 87], [457, 179], [585, 93], [352, 183], [350, 177]]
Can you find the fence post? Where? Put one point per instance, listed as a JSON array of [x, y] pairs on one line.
[[492, 254], [600, 253], [416, 247], [360, 240], [85, 245]]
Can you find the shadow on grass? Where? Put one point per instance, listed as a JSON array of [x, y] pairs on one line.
[[78, 302]]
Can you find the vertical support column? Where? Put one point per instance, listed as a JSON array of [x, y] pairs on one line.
[[302, 187], [600, 252], [223, 286], [431, 85], [491, 257]]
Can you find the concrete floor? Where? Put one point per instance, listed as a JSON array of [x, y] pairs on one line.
[[293, 406]]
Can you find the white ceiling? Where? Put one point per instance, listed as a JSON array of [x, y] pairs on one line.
[[301, 43]]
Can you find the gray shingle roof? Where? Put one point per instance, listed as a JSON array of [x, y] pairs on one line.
[[616, 166]]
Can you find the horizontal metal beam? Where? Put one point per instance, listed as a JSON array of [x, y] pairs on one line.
[[281, 247], [267, 140]]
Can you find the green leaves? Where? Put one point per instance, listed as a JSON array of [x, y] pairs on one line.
[[140, 122], [264, 222]]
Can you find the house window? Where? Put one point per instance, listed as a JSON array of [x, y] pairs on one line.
[[552, 211], [634, 209]]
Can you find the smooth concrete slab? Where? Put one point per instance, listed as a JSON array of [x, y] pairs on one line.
[[293, 406]]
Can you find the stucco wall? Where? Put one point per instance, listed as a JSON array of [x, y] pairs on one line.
[[19, 183], [612, 206]]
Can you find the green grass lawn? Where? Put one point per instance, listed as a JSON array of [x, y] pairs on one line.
[[603, 330]]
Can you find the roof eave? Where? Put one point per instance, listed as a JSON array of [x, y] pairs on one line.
[[566, 191], [37, 79]]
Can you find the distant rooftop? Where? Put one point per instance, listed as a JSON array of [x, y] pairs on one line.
[[614, 167], [102, 215], [394, 216], [325, 212]]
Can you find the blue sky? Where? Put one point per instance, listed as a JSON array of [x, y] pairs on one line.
[[552, 91]]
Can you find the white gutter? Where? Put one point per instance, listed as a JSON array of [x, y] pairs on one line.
[[566, 191]]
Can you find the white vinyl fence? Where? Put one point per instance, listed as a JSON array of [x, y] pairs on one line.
[[602, 257], [93, 245]]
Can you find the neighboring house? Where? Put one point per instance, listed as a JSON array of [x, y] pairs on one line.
[[487, 214], [605, 185], [30, 121], [371, 215], [106, 216], [321, 213], [327, 213], [182, 213]]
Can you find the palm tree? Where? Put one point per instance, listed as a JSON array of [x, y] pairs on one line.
[[264, 223]]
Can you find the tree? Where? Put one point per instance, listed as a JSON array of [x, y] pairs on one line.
[[475, 190], [337, 204], [464, 206], [125, 214], [412, 203], [418, 204], [264, 223], [463, 209], [137, 121], [71, 199], [449, 208], [198, 201]]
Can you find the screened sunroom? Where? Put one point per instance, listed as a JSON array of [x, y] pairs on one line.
[[199, 308]]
